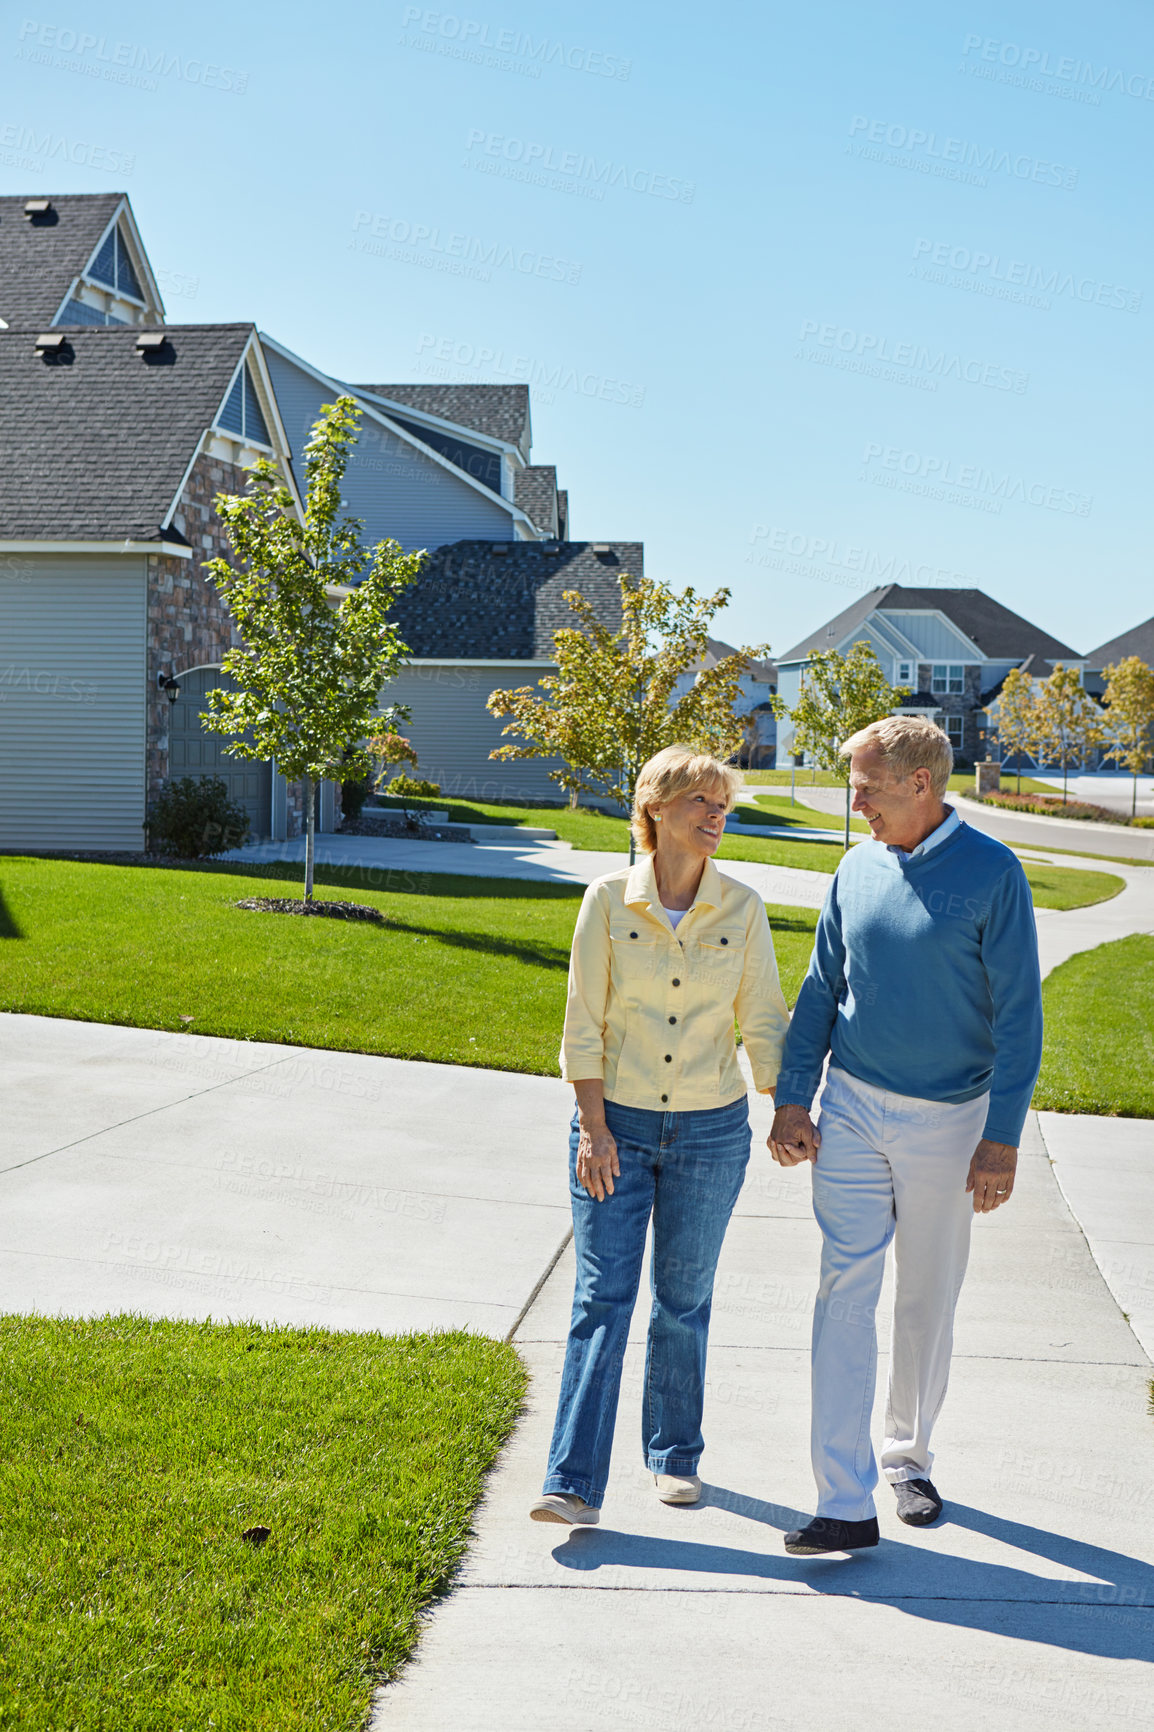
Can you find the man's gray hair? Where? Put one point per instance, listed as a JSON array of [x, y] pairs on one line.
[[906, 744]]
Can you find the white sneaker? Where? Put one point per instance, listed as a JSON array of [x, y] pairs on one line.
[[565, 1507], [677, 1488]]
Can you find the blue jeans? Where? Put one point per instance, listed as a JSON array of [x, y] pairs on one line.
[[684, 1169]]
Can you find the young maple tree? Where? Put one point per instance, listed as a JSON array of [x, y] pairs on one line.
[[316, 641], [1017, 717], [1068, 721], [839, 694], [1129, 724], [611, 704]]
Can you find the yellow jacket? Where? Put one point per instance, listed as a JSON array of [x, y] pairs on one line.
[[650, 1011]]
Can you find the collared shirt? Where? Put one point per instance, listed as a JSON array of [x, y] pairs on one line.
[[650, 1011], [946, 828]]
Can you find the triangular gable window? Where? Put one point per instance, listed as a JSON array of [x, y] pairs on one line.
[[113, 268], [241, 413]]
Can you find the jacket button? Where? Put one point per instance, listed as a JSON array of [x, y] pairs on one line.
[[665, 1097], [673, 1019], [677, 983], [669, 1058], [634, 935], [725, 941]]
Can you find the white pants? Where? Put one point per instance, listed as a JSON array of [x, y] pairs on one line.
[[889, 1167]]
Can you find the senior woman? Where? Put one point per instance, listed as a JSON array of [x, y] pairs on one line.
[[665, 955]]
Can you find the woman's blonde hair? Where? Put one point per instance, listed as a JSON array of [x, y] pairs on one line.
[[676, 770]]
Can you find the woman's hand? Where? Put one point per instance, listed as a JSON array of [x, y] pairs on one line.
[[597, 1163]]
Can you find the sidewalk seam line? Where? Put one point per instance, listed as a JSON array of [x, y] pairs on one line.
[[548, 1270]]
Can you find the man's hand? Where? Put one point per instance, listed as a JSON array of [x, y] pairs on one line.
[[793, 1138], [597, 1163], [991, 1176]]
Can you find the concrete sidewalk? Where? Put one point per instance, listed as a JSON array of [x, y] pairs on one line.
[[1021, 829], [188, 1176], [1029, 1604], [551, 862]]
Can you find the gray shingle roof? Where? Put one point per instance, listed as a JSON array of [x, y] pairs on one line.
[[471, 601], [93, 445], [40, 257], [502, 411], [998, 632], [1138, 641], [535, 491]]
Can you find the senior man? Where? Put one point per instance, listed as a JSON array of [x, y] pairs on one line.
[[924, 990]]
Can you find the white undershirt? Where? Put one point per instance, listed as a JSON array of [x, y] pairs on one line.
[[676, 916]]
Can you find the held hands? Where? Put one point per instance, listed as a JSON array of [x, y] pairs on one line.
[[991, 1176], [597, 1163], [793, 1137]]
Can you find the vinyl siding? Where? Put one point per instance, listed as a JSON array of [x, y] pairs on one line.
[[453, 733], [935, 640], [72, 702], [389, 484]]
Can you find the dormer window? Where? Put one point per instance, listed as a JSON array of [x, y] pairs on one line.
[[112, 267], [241, 414], [905, 674]]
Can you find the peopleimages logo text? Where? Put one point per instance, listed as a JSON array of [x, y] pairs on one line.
[[471, 33], [1016, 273], [973, 478], [575, 165], [961, 153], [1064, 66]]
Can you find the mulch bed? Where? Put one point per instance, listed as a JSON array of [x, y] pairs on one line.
[[397, 830], [329, 910]]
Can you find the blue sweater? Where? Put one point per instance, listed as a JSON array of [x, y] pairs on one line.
[[924, 980]]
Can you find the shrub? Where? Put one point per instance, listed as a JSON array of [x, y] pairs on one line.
[[193, 817], [1051, 806], [1143, 823], [353, 797], [412, 787]]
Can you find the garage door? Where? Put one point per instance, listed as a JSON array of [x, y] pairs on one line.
[[73, 694], [193, 751]]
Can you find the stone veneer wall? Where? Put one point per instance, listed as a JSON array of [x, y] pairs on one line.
[[188, 623], [964, 704]]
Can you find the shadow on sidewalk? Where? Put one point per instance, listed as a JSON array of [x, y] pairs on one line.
[[1116, 1607]]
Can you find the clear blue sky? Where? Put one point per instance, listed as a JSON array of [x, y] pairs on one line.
[[789, 197]]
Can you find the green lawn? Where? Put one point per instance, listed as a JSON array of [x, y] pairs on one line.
[[597, 831], [1099, 1054], [136, 1454], [780, 809], [466, 971]]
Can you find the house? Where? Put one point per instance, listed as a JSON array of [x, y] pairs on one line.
[[758, 685], [120, 431], [1138, 641], [952, 648]]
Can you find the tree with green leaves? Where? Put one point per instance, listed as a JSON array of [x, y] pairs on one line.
[[611, 704], [1069, 722], [1129, 724], [1017, 717], [839, 694], [316, 640]]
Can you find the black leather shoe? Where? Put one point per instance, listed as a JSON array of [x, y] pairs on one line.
[[823, 1534], [918, 1502]]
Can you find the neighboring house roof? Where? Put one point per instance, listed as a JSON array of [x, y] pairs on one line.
[[1138, 641], [95, 444], [495, 601], [997, 631], [716, 650], [41, 256], [501, 411], [535, 491]]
